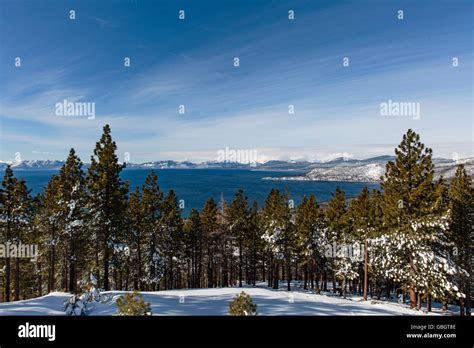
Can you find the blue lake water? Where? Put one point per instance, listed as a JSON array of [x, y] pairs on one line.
[[195, 186]]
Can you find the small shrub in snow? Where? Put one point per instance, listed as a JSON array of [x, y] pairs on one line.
[[242, 305], [94, 293], [75, 306], [133, 304]]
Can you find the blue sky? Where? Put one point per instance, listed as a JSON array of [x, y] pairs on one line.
[[190, 62]]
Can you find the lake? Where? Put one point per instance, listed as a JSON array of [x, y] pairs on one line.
[[195, 186]]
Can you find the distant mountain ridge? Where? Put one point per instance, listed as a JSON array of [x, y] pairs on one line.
[[33, 164], [371, 170], [277, 165], [338, 169]]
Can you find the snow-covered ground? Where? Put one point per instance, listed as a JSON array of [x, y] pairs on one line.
[[216, 302]]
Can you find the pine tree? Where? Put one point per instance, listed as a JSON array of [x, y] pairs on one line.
[[71, 201], [409, 191], [136, 214], [412, 221], [376, 216], [193, 248], [37, 287], [60, 222], [311, 243], [15, 212], [337, 223], [171, 234], [106, 203], [279, 234], [362, 215], [210, 228], [461, 196], [153, 256], [242, 305], [225, 259], [133, 304], [238, 216], [48, 223], [254, 241], [7, 206]]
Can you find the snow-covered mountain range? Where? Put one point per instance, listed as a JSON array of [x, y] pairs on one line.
[[32, 164], [371, 170], [339, 169]]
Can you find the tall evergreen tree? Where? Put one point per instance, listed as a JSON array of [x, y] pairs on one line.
[[311, 244], [461, 196], [153, 256], [226, 250], [15, 213], [279, 234], [193, 248], [210, 228], [410, 197], [106, 203], [48, 223], [71, 201], [136, 240], [238, 216], [254, 242], [171, 234], [7, 211], [362, 214], [337, 223]]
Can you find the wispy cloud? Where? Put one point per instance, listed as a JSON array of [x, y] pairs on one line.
[[104, 23]]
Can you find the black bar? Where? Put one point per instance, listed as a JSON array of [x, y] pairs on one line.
[[331, 330]]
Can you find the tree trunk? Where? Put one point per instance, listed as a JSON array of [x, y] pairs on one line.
[[288, 274], [254, 268], [115, 279], [270, 272], [413, 302], [64, 279], [412, 298], [72, 267], [16, 280], [305, 287], [106, 262], [7, 279], [7, 262], [39, 280], [139, 266], [325, 281], [106, 271], [97, 266], [209, 269], [52, 270], [366, 277], [240, 262], [171, 277], [275, 276], [468, 298]]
